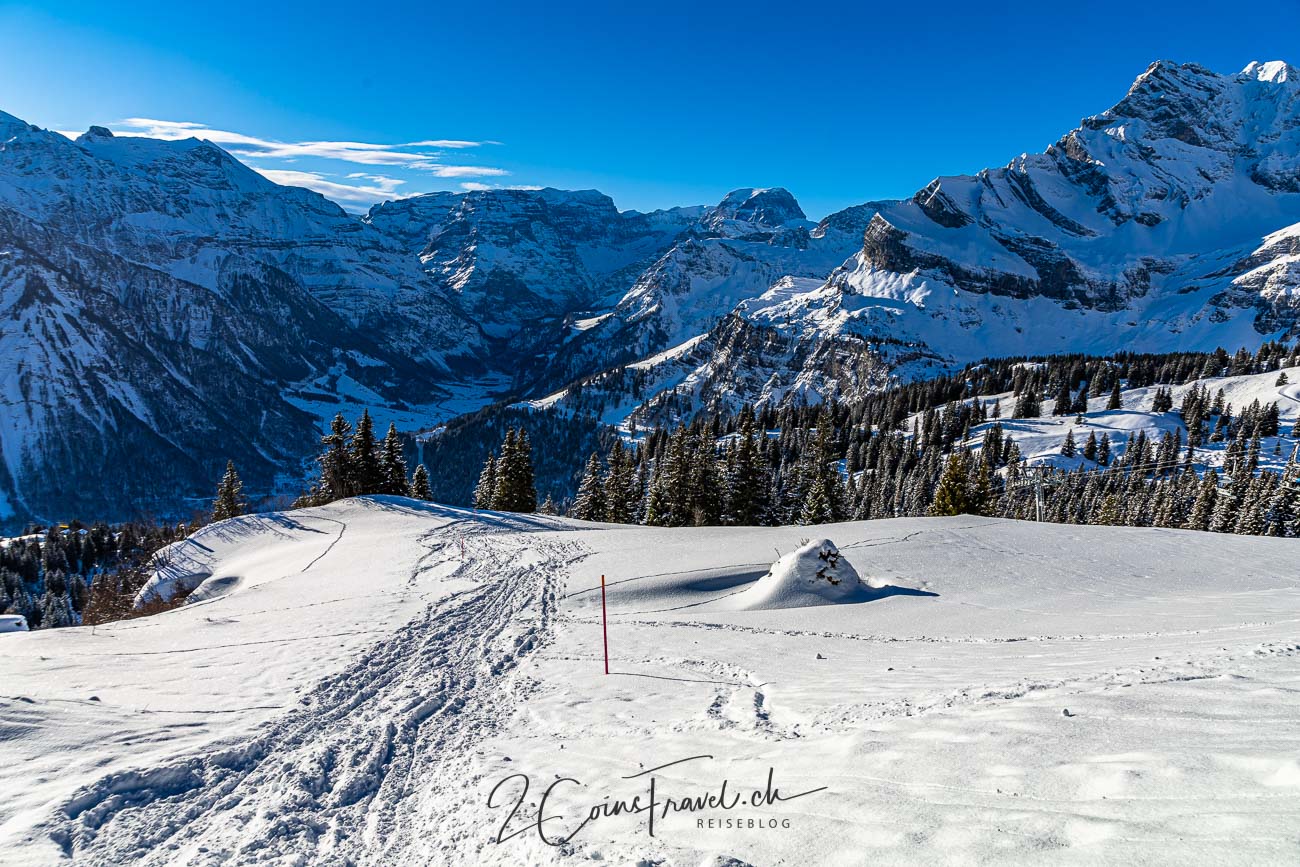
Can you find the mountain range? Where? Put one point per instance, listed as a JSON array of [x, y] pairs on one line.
[[161, 299]]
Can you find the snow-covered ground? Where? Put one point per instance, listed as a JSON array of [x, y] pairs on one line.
[[365, 675]]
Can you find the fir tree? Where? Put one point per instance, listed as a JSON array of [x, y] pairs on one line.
[[230, 501], [336, 462], [366, 476], [1103, 449], [980, 489], [392, 465], [950, 496], [590, 503], [1115, 401], [420, 484], [1090, 446], [485, 491], [1068, 448], [1108, 513], [621, 491], [1064, 403], [515, 490]]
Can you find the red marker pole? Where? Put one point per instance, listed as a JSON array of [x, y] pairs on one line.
[[604, 622]]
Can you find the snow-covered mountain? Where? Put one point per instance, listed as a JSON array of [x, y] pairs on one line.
[[162, 309], [736, 249], [516, 255], [1169, 222]]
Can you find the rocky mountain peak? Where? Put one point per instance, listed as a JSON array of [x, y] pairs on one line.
[[773, 207], [1271, 70]]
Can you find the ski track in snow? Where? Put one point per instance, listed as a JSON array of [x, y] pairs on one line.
[[382, 745]]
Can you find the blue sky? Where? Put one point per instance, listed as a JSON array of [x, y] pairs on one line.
[[656, 103]]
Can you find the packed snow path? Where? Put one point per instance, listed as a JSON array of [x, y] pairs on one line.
[[346, 777], [1012, 693]]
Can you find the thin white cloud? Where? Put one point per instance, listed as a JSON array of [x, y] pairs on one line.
[[465, 171], [378, 189], [451, 143], [310, 160], [359, 153]]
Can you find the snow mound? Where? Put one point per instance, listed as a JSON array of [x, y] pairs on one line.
[[813, 574], [13, 623]]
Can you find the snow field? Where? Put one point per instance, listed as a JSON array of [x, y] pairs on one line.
[[358, 695]]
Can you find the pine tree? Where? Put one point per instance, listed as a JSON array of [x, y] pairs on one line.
[[950, 496], [1108, 513], [419, 489], [980, 488], [590, 504], [507, 474], [362, 450], [1224, 518], [1206, 500], [1064, 403], [527, 486], [392, 464], [485, 491], [818, 503], [621, 492], [749, 482], [1090, 446], [1281, 379], [515, 490], [1103, 449], [1115, 401], [706, 487], [336, 462], [230, 501], [1068, 448]]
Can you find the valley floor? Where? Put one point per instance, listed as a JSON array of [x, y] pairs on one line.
[[363, 679]]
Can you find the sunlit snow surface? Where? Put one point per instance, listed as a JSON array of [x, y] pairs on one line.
[[367, 672]]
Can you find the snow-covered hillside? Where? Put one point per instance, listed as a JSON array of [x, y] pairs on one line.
[[1012, 693], [1040, 439]]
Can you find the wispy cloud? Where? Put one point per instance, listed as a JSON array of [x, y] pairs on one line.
[[329, 167], [361, 153], [478, 186], [353, 195]]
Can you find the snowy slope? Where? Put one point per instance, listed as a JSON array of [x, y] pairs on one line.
[[1014, 693], [1040, 439]]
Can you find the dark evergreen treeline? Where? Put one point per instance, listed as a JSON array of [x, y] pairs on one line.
[[455, 453], [354, 463], [814, 464], [77, 574]]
